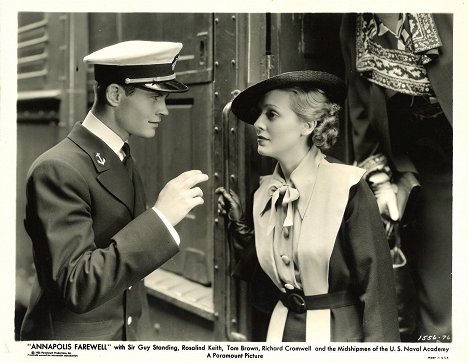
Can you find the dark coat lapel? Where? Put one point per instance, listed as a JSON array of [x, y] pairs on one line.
[[140, 198], [111, 173]]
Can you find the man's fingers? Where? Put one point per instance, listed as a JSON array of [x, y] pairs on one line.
[[196, 192], [194, 179], [185, 175], [197, 201]]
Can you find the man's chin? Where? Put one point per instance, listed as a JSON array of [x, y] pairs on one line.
[[148, 134]]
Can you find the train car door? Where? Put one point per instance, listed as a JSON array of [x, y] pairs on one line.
[[193, 297], [181, 292], [250, 48], [51, 97]]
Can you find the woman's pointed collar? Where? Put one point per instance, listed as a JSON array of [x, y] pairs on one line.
[[302, 178]]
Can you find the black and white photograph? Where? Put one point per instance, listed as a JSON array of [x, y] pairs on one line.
[[234, 183]]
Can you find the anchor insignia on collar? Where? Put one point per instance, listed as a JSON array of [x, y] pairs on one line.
[[100, 159]]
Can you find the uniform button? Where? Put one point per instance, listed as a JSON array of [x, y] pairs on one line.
[[285, 232], [285, 259], [129, 320], [129, 287], [289, 286]]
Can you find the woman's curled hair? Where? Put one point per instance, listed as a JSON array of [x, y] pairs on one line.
[[313, 105]]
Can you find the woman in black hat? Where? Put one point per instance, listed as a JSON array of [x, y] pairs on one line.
[[318, 233]]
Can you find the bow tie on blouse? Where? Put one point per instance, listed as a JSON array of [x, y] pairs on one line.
[[290, 194]]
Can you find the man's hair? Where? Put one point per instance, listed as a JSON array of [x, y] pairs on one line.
[[100, 91]]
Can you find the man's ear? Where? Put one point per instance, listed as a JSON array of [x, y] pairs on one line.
[[308, 127], [114, 94]]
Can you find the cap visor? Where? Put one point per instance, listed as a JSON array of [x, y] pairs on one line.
[[171, 86]]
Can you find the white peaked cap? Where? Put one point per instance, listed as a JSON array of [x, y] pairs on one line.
[[149, 64], [135, 52]]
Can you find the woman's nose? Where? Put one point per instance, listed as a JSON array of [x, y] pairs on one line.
[[259, 124]]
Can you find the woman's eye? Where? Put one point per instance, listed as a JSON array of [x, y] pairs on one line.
[[271, 115]]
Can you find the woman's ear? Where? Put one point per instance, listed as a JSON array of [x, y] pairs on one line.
[[308, 127], [114, 94]]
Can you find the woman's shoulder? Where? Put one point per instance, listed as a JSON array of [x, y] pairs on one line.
[[337, 162], [333, 160], [341, 172], [360, 189]]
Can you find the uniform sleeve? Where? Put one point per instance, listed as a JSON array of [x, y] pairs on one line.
[[371, 266], [59, 217]]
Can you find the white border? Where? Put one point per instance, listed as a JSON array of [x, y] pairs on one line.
[[11, 351]]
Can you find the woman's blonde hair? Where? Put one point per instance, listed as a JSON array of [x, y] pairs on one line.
[[313, 105]]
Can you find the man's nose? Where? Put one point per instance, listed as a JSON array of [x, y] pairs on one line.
[[162, 108]]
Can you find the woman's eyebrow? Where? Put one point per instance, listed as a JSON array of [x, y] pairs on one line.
[[269, 105]]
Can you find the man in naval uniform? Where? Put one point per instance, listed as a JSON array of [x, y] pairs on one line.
[[93, 238]]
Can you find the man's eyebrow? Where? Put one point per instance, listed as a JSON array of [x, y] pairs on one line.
[[158, 94]]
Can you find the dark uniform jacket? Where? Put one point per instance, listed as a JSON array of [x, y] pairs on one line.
[[93, 244]]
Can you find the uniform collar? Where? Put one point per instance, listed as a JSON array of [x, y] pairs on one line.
[[111, 172], [109, 137]]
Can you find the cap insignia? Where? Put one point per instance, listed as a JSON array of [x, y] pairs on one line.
[[174, 62]]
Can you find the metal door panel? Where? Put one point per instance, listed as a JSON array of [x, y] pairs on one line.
[[171, 323], [51, 80], [104, 30], [33, 140], [183, 142], [41, 51], [311, 41], [192, 29]]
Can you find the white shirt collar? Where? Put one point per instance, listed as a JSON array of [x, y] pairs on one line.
[[110, 138]]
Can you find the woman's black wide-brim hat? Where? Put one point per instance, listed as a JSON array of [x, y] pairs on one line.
[[245, 105]]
